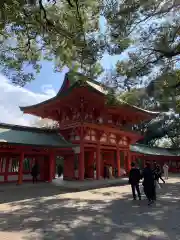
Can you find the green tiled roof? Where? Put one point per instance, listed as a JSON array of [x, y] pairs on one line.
[[13, 134], [156, 151]]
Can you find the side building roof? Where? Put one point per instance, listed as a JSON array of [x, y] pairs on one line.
[[154, 151], [20, 135]]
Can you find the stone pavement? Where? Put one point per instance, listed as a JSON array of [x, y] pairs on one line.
[[43, 213]]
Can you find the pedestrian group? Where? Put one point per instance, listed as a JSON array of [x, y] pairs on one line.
[[150, 176]]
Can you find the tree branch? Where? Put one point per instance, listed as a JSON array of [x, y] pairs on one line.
[[167, 54]]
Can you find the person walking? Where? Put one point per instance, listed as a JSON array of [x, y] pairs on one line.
[[35, 173], [134, 178], [156, 178], [165, 169], [149, 183], [159, 174]]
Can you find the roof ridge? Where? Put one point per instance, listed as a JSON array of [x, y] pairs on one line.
[[144, 145], [30, 128], [143, 149], [29, 136]]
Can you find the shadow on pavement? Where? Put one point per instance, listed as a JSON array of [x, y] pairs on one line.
[[63, 217], [28, 191]]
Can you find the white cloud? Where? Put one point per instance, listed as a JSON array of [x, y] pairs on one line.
[[48, 90], [11, 97]]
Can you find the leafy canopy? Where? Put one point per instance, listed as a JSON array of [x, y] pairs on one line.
[[154, 28], [33, 31]]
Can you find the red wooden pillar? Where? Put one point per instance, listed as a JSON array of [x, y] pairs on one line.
[[118, 162], [41, 162], [20, 172], [124, 160], [128, 159], [91, 164], [81, 155], [98, 161], [7, 161], [51, 166], [54, 168], [1, 164]]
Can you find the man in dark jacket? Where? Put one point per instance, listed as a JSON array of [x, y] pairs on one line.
[[149, 183], [134, 178]]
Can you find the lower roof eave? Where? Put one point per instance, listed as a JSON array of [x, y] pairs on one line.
[[153, 151], [65, 146]]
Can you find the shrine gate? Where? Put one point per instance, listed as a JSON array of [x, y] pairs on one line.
[[103, 129]]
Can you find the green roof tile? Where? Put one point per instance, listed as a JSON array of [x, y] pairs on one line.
[[13, 134], [156, 151]]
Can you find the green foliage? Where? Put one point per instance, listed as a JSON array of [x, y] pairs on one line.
[[178, 105], [30, 33], [164, 126], [163, 89], [133, 97], [151, 30], [139, 97], [111, 98], [154, 28], [75, 76]]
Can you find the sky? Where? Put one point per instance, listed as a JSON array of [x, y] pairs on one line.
[[45, 86]]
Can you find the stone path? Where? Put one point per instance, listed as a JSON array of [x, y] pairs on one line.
[[108, 214]]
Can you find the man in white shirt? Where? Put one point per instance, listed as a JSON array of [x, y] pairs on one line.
[[165, 169]]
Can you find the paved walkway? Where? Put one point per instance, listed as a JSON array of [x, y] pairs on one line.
[[43, 213]]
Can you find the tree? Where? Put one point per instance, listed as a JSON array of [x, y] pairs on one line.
[[62, 31], [140, 98], [68, 32], [150, 31], [162, 131]]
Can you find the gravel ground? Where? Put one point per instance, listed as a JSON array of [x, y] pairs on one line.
[[108, 213]]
